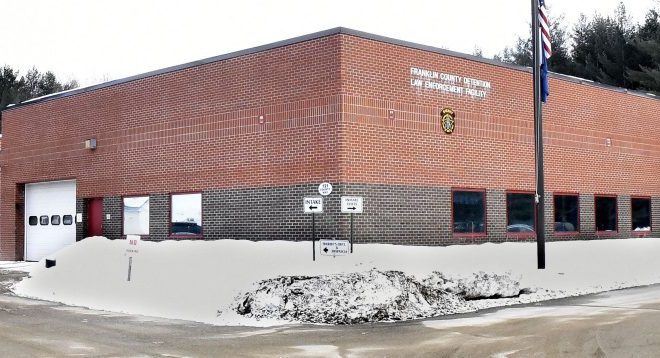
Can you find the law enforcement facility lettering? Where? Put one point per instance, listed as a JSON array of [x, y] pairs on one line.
[[449, 83]]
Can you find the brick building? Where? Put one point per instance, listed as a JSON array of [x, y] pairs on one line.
[[227, 147]]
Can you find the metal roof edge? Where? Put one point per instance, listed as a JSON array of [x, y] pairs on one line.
[[183, 66], [317, 35], [488, 61]]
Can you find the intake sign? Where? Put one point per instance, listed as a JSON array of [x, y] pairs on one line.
[[334, 247], [313, 205], [449, 83]]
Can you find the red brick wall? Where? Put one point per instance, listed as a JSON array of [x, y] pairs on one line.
[[185, 130], [325, 104], [492, 146]]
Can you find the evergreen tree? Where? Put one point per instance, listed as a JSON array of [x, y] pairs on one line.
[[32, 85], [8, 86], [29, 85], [646, 75], [602, 48], [521, 54]]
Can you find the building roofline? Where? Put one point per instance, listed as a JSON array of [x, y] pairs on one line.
[[314, 36]]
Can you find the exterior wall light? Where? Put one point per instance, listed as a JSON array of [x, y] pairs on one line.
[[90, 144]]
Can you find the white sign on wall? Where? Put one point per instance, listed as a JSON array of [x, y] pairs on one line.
[[325, 189], [313, 205], [351, 204], [334, 247]]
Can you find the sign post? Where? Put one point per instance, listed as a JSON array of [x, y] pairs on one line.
[[131, 249], [352, 205], [313, 206]]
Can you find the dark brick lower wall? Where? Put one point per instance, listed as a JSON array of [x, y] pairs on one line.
[[81, 228], [267, 214], [159, 209], [397, 214], [655, 216], [112, 216]]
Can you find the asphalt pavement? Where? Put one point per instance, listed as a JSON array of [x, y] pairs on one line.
[[624, 323]]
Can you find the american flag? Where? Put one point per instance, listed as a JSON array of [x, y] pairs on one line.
[[546, 52]]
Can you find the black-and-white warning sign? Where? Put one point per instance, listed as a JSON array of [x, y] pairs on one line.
[[351, 204], [313, 205], [335, 247], [325, 189]]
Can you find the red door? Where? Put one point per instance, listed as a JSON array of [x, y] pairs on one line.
[[95, 217]]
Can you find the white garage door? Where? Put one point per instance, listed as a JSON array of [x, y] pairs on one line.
[[50, 217]]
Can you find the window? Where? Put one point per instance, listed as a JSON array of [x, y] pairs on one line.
[[469, 209], [186, 218], [55, 220], [566, 213], [136, 215], [520, 212], [605, 213], [640, 214], [67, 219], [32, 220], [43, 220]]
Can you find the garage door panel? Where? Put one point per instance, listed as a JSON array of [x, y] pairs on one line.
[[43, 203]]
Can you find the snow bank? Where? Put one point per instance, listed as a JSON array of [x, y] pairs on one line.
[[370, 296], [15, 266], [206, 280]]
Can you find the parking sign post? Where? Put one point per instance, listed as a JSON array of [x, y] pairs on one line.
[[313, 206], [352, 205]]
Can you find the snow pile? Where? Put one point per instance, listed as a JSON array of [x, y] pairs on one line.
[[206, 281], [480, 285], [370, 296]]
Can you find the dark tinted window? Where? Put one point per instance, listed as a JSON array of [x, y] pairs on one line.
[[566, 213], [605, 213], [520, 212], [186, 228], [468, 212], [640, 214], [33, 220], [67, 219], [55, 220], [43, 220]]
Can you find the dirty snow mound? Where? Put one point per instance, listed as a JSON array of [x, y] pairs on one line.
[[479, 285], [370, 296]]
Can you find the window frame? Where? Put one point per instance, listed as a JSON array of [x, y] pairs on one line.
[[201, 212], [468, 234], [554, 210], [36, 223], [642, 233], [522, 235], [616, 209], [73, 219], [123, 232]]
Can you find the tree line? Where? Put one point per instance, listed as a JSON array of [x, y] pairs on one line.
[[607, 49], [15, 89]]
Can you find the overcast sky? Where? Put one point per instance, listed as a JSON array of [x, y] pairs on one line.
[[93, 41]]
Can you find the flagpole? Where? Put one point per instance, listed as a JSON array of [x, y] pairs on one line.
[[538, 138]]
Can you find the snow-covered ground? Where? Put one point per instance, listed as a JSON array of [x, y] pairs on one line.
[[209, 281]]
